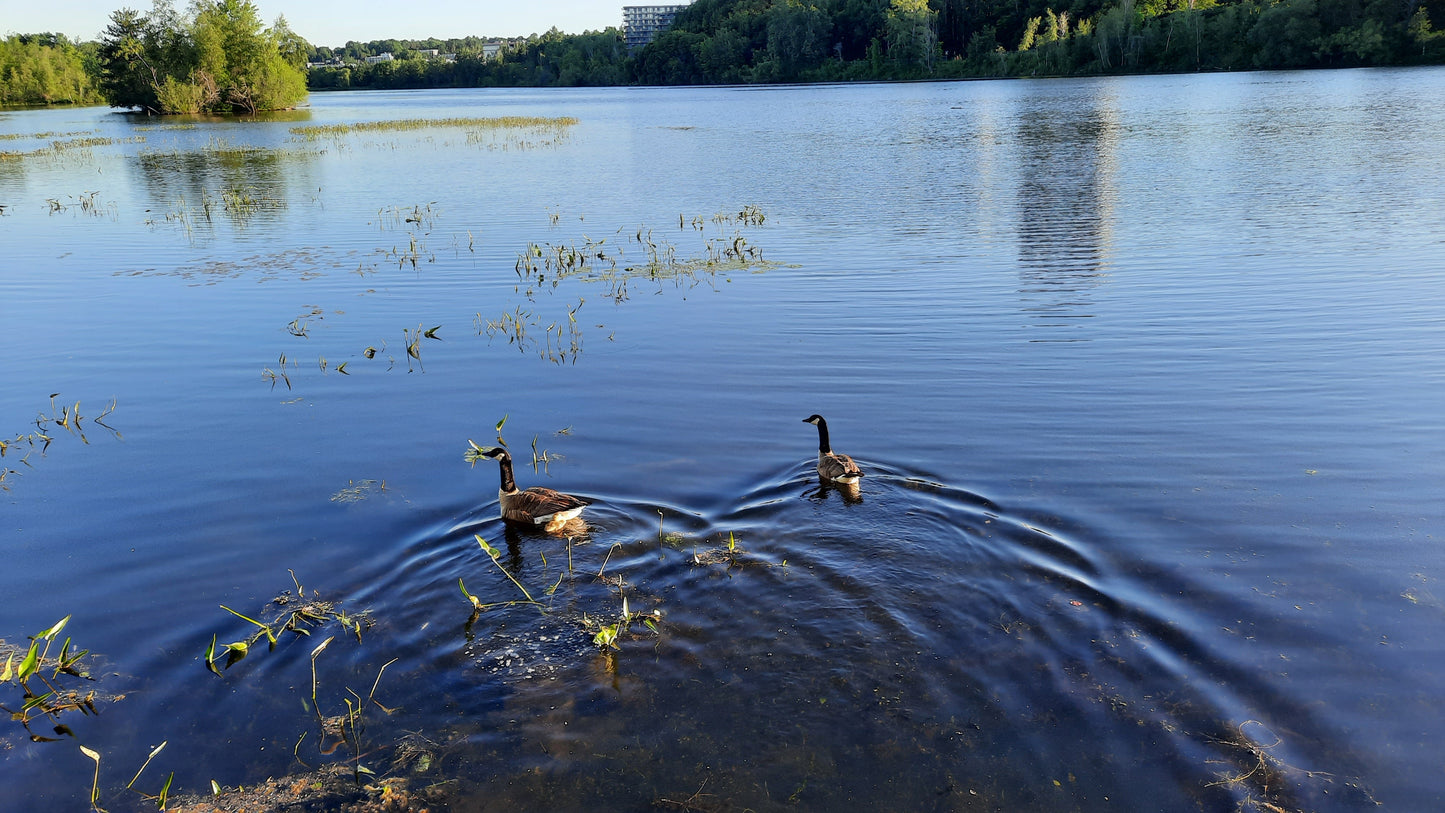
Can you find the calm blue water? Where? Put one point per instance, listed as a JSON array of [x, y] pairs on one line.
[[1145, 374]]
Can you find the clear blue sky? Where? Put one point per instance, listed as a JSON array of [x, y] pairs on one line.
[[333, 22]]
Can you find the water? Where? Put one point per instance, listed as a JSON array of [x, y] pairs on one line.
[[1145, 374]]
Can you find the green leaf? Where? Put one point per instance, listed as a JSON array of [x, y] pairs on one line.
[[30, 665], [503, 421], [5, 675], [53, 631], [211, 656], [491, 551], [36, 701], [476, 602], [235, 652], [215, 788], [252, 620]]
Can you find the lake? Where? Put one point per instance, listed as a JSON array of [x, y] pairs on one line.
[[1145, 376]]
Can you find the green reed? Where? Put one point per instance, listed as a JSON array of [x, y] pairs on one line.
[[496, 123]]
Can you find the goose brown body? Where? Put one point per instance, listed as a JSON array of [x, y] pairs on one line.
[[833, 467], [536, 505]]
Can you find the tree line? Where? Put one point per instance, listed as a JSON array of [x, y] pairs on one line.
[[768, 41], [41, 69], [716, 41], [219, 57]]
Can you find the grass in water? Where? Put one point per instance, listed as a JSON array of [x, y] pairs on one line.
[[314, 132]]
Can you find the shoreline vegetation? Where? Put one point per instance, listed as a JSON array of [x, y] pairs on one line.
[[220, 58]]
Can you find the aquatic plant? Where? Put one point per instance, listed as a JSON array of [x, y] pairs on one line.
[[62, 148], [545, 267], [67, 417], [356, 492], [299, 620], [271, 375], [38, 676], [498, 132], [421, 217]]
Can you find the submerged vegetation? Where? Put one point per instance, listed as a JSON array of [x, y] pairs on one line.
[[477, 124], [42, 681], [20, 448], [618, 263]]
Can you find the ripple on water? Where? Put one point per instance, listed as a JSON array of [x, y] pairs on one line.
[[962, 651]]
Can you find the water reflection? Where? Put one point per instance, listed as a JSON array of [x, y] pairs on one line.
[[198, 186], [1066, 196], [850, 493]]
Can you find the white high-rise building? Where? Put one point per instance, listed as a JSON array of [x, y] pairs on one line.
[[642, 24]]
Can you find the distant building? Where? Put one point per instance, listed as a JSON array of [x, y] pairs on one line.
[[383, 57], [430, 52], [642, 24], [491, 49]]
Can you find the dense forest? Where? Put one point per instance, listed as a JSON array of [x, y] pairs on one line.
[[38, 69], [218, 57], [761, 41], [221, 58], [766, 41]]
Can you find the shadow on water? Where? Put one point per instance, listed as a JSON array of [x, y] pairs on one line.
[[913, 646]]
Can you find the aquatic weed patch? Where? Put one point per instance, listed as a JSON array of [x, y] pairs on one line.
[[495, 123], [22, 446], [620, 263]]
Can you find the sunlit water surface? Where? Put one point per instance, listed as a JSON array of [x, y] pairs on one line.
[[1146, 375]]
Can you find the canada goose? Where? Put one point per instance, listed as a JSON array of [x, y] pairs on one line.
[[536, 505], [837, 468]]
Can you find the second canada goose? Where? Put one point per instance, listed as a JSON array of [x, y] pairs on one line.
[[535, 506], [834, 467]]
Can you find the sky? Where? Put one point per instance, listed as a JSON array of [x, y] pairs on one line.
[[333, 22]]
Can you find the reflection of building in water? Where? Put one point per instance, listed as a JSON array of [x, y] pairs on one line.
[[1066, 202], [642, 24]]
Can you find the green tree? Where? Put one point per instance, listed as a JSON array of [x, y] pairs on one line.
[[797, 37], [222, 59], [911, 33], [44, 69], [127, 57]]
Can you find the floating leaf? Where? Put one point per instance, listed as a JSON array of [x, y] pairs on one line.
[[5, 675], [235, 652], [605, 637]]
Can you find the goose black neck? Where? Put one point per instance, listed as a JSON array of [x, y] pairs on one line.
[[823, 446], [508, 483]]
